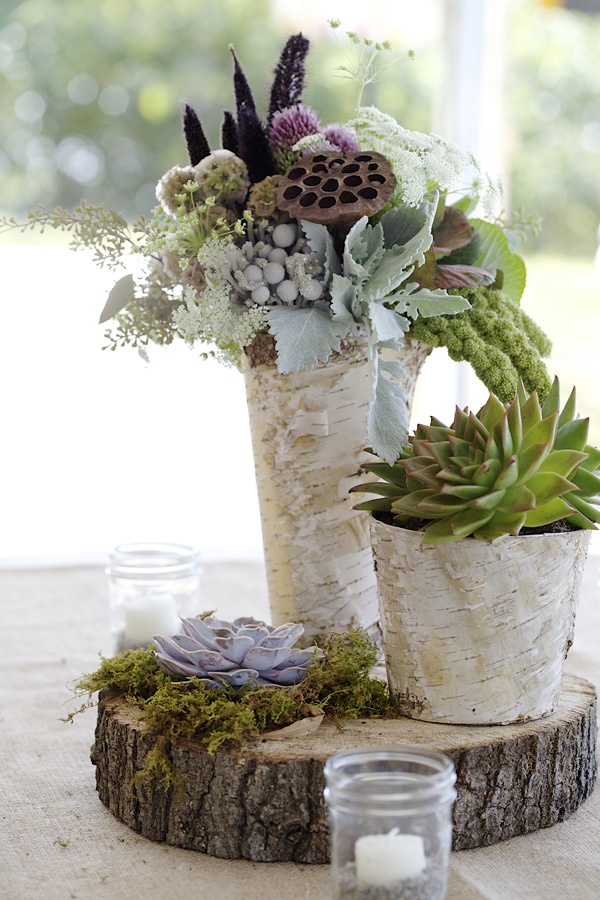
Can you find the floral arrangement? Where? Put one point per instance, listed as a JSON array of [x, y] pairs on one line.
[[314, 233]]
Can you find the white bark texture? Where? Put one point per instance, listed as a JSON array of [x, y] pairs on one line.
[[308, 437], [476, 634]]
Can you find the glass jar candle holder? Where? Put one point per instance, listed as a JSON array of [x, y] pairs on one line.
[[390, 817], [151, 585]]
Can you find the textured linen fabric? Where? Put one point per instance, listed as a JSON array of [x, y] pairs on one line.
[[58, 842]]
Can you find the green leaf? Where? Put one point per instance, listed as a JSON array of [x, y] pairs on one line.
[[548, 512], [518, 499], [302, 337], [380, 505], [119, 297], [573, 435], [392, 474], [495, 253], [376, 487], [463, 491], [533, 458], [509, 474], [548, 485], [489, 501], [544, 432], [401, 223], [531, 412], [587, 482], [588, 512], [487, 472], [502, 523], [561, 461]]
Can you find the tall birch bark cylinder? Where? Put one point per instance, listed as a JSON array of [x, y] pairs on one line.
[[477, 633], [308, 437]]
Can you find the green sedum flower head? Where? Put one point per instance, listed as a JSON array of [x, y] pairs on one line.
[[509, 466]]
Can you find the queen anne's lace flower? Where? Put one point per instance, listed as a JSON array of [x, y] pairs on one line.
[[422, 162]]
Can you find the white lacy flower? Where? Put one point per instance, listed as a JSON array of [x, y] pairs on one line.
[[423, 162], [211, 318]]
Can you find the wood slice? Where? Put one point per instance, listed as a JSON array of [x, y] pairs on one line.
[[265, 802]]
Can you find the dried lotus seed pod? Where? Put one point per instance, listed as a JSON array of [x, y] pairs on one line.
[[330, 187]]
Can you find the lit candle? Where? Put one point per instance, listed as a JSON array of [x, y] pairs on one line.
[[386, 858], [150, 615]]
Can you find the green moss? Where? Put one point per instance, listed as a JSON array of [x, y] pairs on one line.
[[339, 684], [133, 673]]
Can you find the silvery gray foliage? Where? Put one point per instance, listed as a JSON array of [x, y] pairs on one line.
[[234, 653]]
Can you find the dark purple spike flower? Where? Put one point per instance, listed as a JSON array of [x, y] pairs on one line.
[[243, 93], [229, 133], [254, 146], [197, 145], [288, 82]]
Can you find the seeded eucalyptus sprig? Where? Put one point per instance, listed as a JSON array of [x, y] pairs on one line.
[[101, 230]]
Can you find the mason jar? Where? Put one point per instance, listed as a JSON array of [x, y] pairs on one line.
[[151, 585], [390, 817]]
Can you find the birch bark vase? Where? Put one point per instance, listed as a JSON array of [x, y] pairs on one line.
[[308, 438], [476, 634]]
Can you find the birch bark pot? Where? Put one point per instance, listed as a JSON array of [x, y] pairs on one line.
[[477, 633], [308, 438]]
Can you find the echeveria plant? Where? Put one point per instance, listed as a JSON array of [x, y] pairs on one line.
[[245, 651]]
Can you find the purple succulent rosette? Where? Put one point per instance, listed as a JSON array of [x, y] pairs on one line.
[[244, 651]]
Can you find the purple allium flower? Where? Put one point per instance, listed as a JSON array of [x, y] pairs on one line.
[[291, 124], [341, 137]]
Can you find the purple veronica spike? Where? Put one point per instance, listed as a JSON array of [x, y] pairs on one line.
[[288, 82], [197, 145], [254, 146], [229, 134], [235, 653]]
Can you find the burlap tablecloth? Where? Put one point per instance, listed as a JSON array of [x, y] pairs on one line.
[[59, 843]]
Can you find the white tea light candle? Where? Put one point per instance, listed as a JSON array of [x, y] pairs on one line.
[[386, 858], [150, 615], [151, 585]]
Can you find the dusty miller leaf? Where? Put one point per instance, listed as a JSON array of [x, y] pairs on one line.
[[320, 242], [387, 420], [121, 294], [343, 298], [302, 337], [424, 302], [387, 323]]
